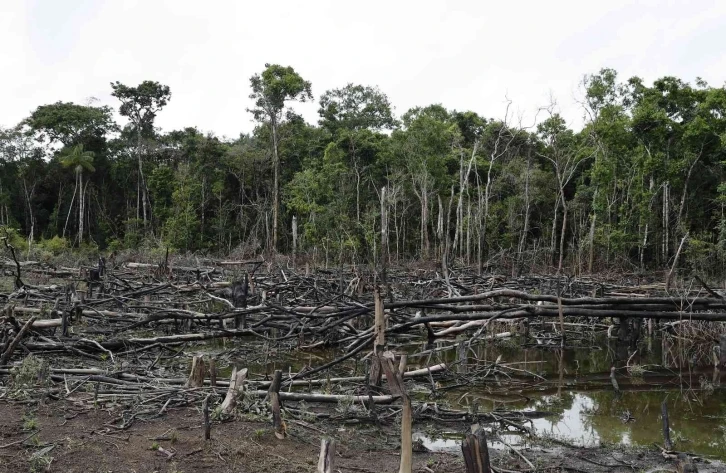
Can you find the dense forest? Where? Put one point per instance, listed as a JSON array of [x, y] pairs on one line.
[[641, 179]]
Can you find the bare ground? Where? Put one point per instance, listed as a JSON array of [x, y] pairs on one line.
[[85, 441]]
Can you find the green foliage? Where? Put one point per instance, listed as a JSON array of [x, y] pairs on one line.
[[141, 103], [32, 373], [275, 86], [646, 168], [55, 245], [69, 123], [15, 239], [76, 158]]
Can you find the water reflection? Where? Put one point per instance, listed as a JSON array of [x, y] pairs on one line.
[[587, 410]]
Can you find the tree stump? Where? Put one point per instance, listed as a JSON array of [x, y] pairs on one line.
[[476, 453], [277, 423], [196, 374], [236, 383]]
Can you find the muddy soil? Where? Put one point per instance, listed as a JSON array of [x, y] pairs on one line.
[[83, 440]]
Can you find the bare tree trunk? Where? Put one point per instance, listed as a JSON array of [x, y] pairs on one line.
[[553, 237], [275, 185], [142, 182], [592, 242], [28, 200], [80, 207], [424, 223], [525, 228], [685, 192], [384, 236], [70, 209], [562, 234], [666, 246]]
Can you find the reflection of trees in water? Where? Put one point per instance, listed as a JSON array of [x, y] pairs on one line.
[[698, 421], [701, 422]]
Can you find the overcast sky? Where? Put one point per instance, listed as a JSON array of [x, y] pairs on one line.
[[466, 55]]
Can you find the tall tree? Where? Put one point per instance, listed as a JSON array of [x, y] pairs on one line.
[[70, 123], [270, 91], [77, 158], [352, 115], [140, 105]]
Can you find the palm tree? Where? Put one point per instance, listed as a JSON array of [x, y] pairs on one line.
[[79, 160]]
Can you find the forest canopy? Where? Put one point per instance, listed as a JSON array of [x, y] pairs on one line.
[[642, 176]]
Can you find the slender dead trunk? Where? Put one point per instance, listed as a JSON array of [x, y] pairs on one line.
[[142, 182], [591, 243], [553, 238], [79, 174], [70, 208], [525, 227], [275, 185], [562, 235]]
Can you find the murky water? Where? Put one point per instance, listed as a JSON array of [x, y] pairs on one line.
[[588, 412], [573, 385]]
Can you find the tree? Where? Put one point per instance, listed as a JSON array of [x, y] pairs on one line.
[[69, 123], [424, 148], [356, 107], [270, 91], [352, 115], [75, 157], [140, 105], [565, 150]]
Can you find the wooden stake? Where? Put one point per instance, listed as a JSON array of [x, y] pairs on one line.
[[236, 383], [326, 463], [380, 319], [205, 412], [213, 372], [277, 423], [406, 439]]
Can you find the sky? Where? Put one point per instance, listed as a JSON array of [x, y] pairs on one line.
[[465, 55]]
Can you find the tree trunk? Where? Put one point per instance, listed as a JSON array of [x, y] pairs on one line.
[[562, 235], [592, 242], [275, 185], [79, 175], [142, 183], [70, 209]]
